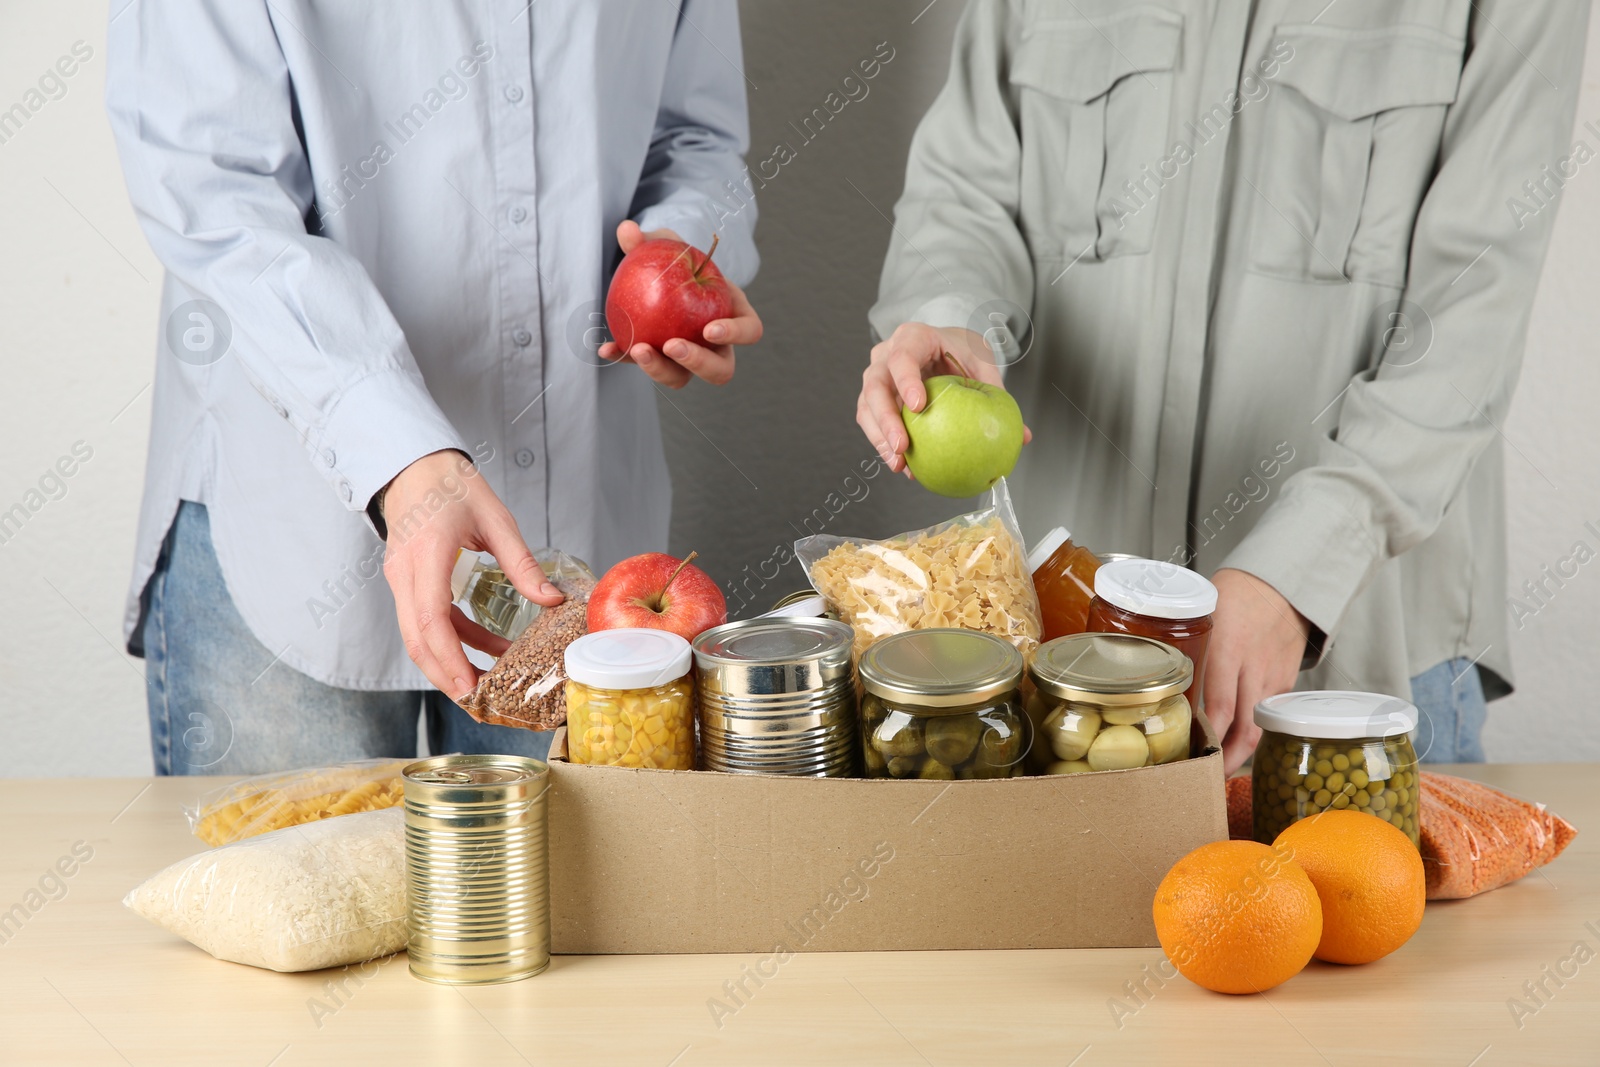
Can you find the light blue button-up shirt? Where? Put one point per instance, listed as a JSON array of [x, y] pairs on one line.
[[387, 230]]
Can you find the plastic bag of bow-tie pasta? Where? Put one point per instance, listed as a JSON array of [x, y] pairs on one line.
[[267, 802], [970, 572]]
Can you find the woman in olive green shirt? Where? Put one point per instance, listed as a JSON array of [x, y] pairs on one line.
[[1259, 276]]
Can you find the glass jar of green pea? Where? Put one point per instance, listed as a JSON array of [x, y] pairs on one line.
[[1331, 750]]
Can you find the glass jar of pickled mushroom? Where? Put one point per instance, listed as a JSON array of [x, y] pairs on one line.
[[942, 704], [1151, 598], [1111, 702], [1333, 750], [630, 699]]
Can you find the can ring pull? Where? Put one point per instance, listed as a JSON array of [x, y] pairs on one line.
[[444, 777]]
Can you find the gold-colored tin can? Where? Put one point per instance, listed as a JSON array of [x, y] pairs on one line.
[[477, 868]]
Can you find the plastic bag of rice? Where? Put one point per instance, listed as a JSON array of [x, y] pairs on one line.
[[322, 894]]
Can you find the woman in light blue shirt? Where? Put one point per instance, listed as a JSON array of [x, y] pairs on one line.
[[387, 237]]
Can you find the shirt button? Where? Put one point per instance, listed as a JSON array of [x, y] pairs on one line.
[[514, 93], [519, 213], [522, 337], [524, 457], [346, 491]]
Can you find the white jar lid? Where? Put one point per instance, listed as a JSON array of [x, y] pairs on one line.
[[628, 658], [1336, 715], [1047, 547], [1151, 587]]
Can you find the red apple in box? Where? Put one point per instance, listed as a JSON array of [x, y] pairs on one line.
[[658, 592], [665, 289]]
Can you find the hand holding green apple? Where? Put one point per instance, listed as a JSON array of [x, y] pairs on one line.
[[958, 431], [966, 437]]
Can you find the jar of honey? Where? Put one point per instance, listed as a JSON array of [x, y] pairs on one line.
[[1063, 576], [1150, 598]]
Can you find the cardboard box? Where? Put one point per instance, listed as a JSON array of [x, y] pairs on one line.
[[699, 861]]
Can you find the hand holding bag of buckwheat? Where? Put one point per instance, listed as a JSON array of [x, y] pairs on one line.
[[527, 686]]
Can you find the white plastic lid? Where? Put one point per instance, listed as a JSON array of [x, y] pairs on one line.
[[628, 658], [1047, 547], [1336, 715], [1151, 587]]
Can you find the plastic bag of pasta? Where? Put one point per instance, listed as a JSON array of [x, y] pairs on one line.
[[266, 802], [970, 572]]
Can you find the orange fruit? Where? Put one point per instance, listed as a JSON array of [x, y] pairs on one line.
[[1369, 877], [1238, 916]]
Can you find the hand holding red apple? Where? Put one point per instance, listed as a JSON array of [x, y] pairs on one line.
[[665, 294]]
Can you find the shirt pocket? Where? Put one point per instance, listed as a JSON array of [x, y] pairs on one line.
[[1094, 98], [1351, 143]]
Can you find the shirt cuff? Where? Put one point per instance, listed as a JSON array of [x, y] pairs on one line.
[[1312, 547], [379, 427]]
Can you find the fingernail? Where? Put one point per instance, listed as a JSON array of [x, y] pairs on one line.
[[716, 332], [549, 590], [463, 686]]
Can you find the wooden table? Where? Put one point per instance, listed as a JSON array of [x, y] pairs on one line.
[[84, 981]]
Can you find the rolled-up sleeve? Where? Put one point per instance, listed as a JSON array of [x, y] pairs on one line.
[[202, 108], [694, 175], [955, 246], [1408, 436]]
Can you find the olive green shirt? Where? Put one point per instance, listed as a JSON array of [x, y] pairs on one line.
[[1264, 272]]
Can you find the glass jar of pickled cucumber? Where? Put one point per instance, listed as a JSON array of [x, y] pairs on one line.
[[630, 699], [1110, 702], [1331, 750], [942, 704]]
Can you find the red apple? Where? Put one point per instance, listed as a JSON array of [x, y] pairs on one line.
[[665, 289], [659, 592]]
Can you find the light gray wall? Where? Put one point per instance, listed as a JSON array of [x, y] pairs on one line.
[[754, 463]]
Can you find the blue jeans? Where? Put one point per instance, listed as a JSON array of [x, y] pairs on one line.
[[219, 704], [1452, 710]]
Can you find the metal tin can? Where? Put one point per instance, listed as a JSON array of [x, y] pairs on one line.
[[776, 697], [477, 874]]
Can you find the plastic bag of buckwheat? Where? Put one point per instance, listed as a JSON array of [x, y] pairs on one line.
[[526, 687]]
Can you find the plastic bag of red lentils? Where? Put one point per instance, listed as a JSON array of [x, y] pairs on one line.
[[1474, 838]]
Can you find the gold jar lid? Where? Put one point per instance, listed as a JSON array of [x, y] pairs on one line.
[[1110, 669], [945, 668]]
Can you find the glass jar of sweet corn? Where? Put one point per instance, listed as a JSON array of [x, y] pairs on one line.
[[1333, 749], [630, 699]]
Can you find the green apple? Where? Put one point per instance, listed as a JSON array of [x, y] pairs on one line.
[[966, 437]]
